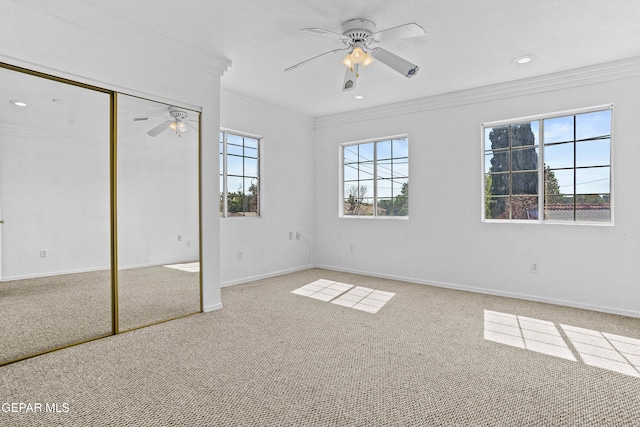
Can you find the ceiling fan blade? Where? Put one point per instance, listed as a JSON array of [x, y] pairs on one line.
[[350, 77], [321, 32], [392, 60], [293, 67], [399, 32], [156, 130]]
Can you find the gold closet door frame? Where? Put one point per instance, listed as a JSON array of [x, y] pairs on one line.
[[113, 144]]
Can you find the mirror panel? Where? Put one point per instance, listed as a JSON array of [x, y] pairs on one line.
[[158, 220], [55, 280]]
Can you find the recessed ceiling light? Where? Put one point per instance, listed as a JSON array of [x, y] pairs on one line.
[[358, 96], [18, 103], [523, 59]]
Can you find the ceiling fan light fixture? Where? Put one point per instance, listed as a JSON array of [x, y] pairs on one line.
[[357, 56]]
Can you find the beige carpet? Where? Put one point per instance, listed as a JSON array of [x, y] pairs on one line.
[[274, 358]]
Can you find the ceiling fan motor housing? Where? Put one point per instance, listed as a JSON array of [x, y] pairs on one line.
[[358, 30], [178, 114]]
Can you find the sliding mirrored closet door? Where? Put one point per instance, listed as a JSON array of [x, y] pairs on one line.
[[158, 212], [55, 273]]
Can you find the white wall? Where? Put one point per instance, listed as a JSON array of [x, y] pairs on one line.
[[287, 199], [444, 242]]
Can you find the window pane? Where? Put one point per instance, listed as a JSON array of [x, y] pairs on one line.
[[235, 149], [235, 184], [593, 153], [498, 184], [385, 169], [350, 154], [354, 206], [401, 168], [234, 165], [524, 159], [558, 129], [250, 167], [593, 208], [365, 170], [251, 143], [559, 156], [496, 161], [497, 138], [400, 187], [524, 183], [523, 134], [383, 150], [384, 188], [358, 189], [234, 139], [350, 172], [496, 208], [593, 125], [251, 152], [400, 148], [524, 207], [565, 180], [559, 208], [365, 152], [592, 180]]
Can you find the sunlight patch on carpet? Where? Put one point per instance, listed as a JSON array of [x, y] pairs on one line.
[[603, 350], [345, 295]]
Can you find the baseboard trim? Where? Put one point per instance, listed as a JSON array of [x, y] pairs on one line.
[[265, 276], [212, 307], [53, 273], [527, 297]]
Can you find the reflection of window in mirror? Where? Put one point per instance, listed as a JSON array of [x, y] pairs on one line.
[[239, 175]]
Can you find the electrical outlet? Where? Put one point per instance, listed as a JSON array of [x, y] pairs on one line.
[[179, 238], [291, 235], [240, 256], [535, 267], [43, 253], [297, 235]]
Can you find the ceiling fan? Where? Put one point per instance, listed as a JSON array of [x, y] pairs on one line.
[[178, 121], [360, 36]]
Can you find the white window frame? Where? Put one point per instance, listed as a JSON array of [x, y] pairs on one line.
[[223, 173], [341, 148], [541, 177]]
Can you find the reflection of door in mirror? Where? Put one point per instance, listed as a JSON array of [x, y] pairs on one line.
[[158, 219], [55, 288]]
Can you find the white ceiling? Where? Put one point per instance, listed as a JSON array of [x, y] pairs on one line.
[[469, 43]]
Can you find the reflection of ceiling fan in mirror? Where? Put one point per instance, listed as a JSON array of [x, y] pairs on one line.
[[178, 121]]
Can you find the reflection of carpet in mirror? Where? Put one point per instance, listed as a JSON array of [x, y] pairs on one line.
[[192, 267], [44, 313]]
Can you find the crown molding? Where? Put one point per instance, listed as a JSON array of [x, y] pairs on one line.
[[118, 28], [609, 71], [238, 100]]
